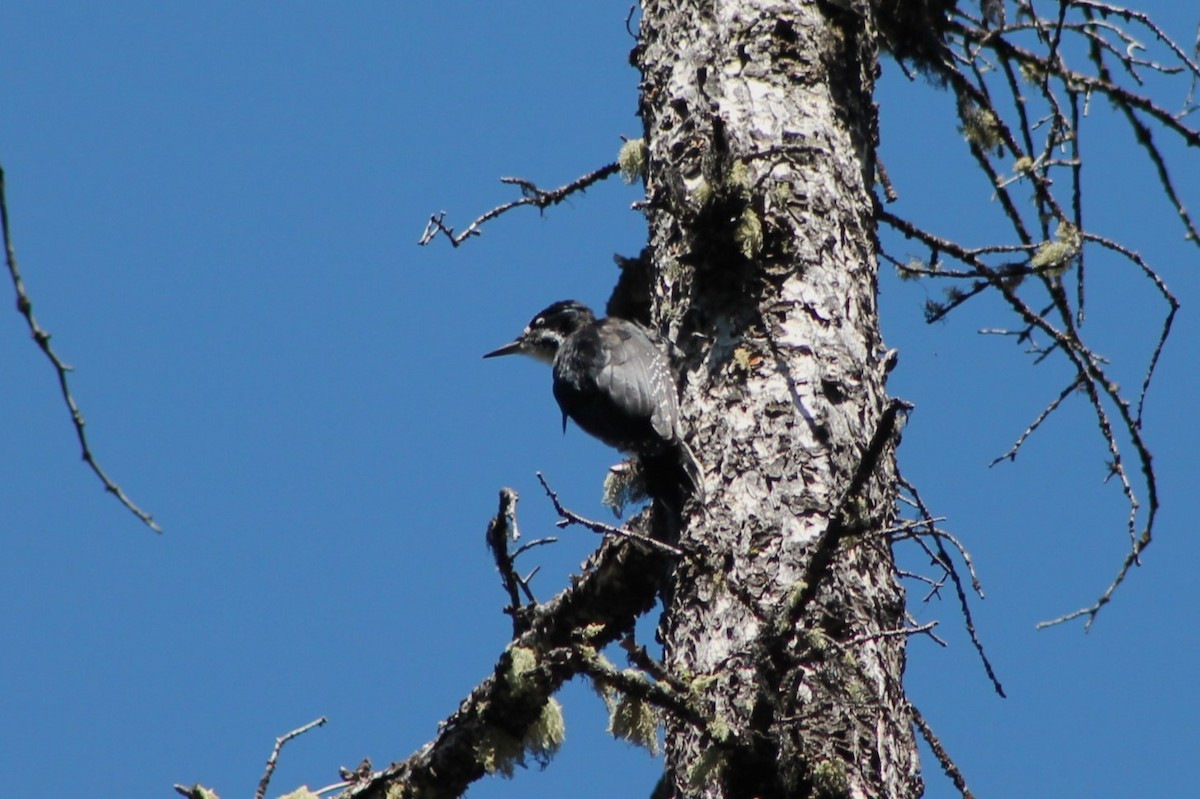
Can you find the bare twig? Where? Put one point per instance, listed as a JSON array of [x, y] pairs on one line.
[[570, 517], [628, 19], [42, 337], [537, 542], [1011, 455], [1172, 303], [924, 528], [532, 195], [908, 525], [502, 529], [943, 559], [274, 758], [899, 632]]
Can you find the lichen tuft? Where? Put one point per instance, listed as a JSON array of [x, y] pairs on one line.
[[631, 160], [634, 720]]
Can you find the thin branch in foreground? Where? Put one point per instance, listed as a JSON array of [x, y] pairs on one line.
[[1168, 320], [532, 195], [661, 695], [640, 658], [922, 528], [1091, 611], [939, 751], [42, 337], [899, 632], [821, 560], [570, 517], [1011, 455], [943, 559], [274, 758]]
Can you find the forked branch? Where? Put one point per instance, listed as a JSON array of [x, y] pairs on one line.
[[1024, 82], [532, 195]]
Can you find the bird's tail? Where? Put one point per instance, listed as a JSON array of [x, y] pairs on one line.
[[693, 471], [673, 475]]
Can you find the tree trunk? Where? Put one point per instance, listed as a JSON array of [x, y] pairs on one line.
[[761, 131]]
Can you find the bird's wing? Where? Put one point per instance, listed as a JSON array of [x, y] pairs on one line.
[[638, 376]]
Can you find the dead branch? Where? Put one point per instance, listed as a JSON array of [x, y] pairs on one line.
[[274, 758], [947, 763], [570, 517], [942, 558], [531, 195], [1023, 88], [1011, 455], [42, 337], [502, 529], [619, 583]]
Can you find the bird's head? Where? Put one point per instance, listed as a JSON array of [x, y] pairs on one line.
[[546, 332]]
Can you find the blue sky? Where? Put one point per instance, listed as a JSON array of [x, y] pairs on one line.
[[216, 210]]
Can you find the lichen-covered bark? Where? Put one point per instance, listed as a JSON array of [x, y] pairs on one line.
[[761, 131]]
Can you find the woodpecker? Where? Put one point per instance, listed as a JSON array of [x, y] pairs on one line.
[[612, 377]]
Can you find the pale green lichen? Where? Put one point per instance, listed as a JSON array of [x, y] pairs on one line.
[[738, 181], [521, 662], [675, 271], [499, 752], [749, 233], [782, 193], [720, 731], [590, 631], [200, 792], [546, 735], [708, 768], [830, 778], [857, 691], [1023, 165], [623, 486], [1053, 257], [818, 641], [785, 617], [606, 693], [631, 160], [854, 511], [636, 721], [746, 361], [404, 790], [1032, 72], [979, 125], [912, 270]]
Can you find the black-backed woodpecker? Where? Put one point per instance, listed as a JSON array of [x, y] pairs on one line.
[[613, 378]]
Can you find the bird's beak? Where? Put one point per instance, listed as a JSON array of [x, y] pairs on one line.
[[511, 348]]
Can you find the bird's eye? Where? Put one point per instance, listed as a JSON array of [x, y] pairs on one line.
[[541, 320]]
